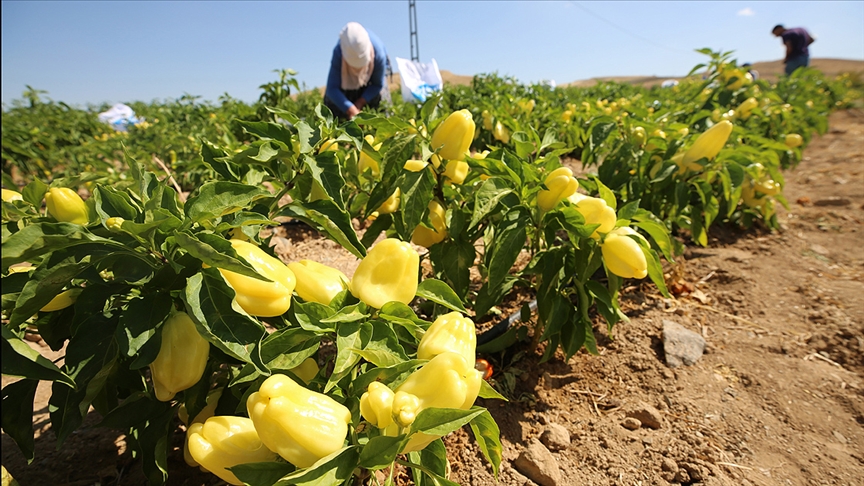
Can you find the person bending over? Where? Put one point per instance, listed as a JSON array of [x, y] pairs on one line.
[[356, 77]]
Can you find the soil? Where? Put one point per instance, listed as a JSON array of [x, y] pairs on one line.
[[777, 398]]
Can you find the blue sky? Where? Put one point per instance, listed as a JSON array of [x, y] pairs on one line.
[[95, 52]]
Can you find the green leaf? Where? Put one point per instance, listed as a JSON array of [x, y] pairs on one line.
[[328, 219], [140, 319], [439, 292], [383, 348], [455, 261], [325, 169], [17, 415], [488, 438], [209, 302], [34, 192], [510, 237], [487, 197], [19, 359], [435, 465], [606, 194], [442, 421], [504, 341], [217, 252], [380, 452], [217, 159], [660, 235], [332, 470], [262, 473], [153, 445], [218, 198], [524, 147], [351, 313], [40, 238], [310, 314], [111, 202], [655, 269], [486, 391], [349, 336], [417, 192]]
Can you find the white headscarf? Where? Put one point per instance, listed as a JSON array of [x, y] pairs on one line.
[[358, 56]]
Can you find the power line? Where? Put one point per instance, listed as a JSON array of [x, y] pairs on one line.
[[637, 36]]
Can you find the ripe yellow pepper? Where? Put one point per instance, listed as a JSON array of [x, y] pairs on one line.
[[208, 411], [426, 237], [450, 332], [708, 145], [446, 381], [622, 255], [317, 282], [793, 140], [456, 171], [487, 120], [388, 273], [391, 205], [299, 424], [225, 441], [307, 370], [182, 357], [596, 211], [10, 195], [329, 144], [566, 116], [454, 135], [367, 162], [526, 105], [62, 300], [66, 206], [376, 405], [114, 224], [501, 133], [560, 184], [415, 165], [257, 297]]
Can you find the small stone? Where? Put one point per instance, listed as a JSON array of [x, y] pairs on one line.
[[681, 345], [538, 464], [840, 437], [631, 423], [681, 477], [668, 465], [555, 437], [648, 415], [832, 201]]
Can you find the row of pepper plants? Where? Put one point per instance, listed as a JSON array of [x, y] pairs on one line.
[[296, 374]]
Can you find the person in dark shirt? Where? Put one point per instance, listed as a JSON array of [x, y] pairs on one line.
[[357, 70], [796, 41]]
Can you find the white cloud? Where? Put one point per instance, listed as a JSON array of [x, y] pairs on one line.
[[746, 12]]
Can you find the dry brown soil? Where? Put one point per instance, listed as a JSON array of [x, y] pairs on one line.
[[778, 398]]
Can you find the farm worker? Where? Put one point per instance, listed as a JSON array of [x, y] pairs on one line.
[[796, 40], [356, 76]]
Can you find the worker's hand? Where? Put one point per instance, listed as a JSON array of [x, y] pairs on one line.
[[352, 111]]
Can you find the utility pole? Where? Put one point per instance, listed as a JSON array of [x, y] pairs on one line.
[[412, 23]]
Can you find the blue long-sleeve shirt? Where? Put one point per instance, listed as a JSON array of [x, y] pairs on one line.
[[376, 82]]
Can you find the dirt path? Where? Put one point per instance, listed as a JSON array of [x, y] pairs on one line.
[[778, 398]]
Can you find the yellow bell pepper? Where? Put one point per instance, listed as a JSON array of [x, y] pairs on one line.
[[596, 211], [708, 145], [225, 441], [329, 144], [487, 120], [10, 195], [560, 184], [182, 357], [456, 171], [391, 205], [793, 140], [376, 405], [388, 273], [622, 255], [62, 300], [66, 206], [208, 411], [299, 424], [415, 165], [446, 381], [454, 135], [501, 133], [257, 297], [114, 224], [450, 332], [307, 370], [566, 116], [317, 282], [367, 162], [426, 237]]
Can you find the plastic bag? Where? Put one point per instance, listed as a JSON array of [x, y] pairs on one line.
[[419, 80], [119, 116]]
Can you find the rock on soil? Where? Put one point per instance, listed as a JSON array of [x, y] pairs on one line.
[[555, 437], [631, 423], [646, 415], [539, 465], [681, 345]]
